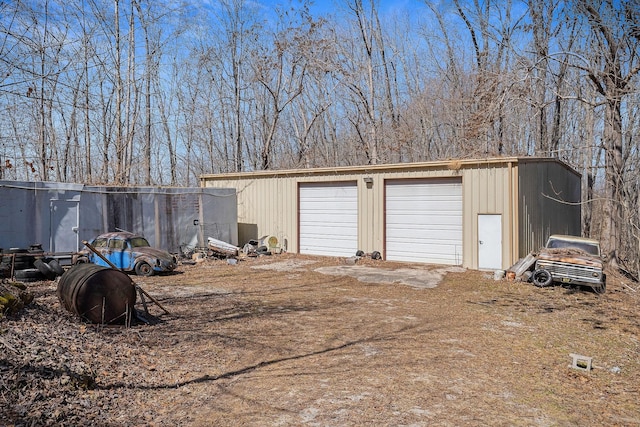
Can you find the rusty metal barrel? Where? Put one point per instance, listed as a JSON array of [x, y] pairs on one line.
[[97, 294]]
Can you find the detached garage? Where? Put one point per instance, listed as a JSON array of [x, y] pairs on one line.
[[481, 214]]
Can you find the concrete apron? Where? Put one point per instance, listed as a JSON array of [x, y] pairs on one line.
[[417, 278]]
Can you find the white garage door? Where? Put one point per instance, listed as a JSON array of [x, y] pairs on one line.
[[329, 219], [424, 221]]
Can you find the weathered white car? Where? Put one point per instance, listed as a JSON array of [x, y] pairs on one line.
[[570, 259]]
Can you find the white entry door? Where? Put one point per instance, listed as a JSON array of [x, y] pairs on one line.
[[489, 242]]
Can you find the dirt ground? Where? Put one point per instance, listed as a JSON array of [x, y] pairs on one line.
[[297, 340]]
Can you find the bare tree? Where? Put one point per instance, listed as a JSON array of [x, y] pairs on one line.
[[280, 67], [612, 66], [239, 29], [146, 161], [542, 21], [365, 92]]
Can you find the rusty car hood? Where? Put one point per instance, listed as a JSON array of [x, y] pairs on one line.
[[573, 256]]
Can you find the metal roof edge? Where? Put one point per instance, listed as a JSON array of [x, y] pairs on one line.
[[439, 164], [550, 159], [112, 189]]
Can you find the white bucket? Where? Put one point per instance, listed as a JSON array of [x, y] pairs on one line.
[[498, 274]]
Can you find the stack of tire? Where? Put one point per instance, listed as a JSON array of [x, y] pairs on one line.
[[29, 265]]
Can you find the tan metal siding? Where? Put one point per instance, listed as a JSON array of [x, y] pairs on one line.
[[370, 212], [486, 191], [269, 206]]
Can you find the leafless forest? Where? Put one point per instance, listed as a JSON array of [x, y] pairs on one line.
[[150, 92]]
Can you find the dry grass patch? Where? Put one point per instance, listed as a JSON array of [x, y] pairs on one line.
[[274, 341]]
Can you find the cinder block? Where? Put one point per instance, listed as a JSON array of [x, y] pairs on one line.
[[582, 363], [351, 260]]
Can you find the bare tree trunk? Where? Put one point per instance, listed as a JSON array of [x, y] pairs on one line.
[[130, 107], [164, 120], [119, 173], [367, 95], [146, 160], [280, 94], [541, 40], [87, 116], [589, 172], [237, 110], [42, 155], [614, 167]]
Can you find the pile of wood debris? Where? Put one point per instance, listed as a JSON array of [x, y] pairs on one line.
[[14, 296]]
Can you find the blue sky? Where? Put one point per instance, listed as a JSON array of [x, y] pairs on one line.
[[384, 5], [322, 7], [325, 7]]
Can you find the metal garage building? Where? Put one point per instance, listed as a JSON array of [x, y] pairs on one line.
[[482, 214]]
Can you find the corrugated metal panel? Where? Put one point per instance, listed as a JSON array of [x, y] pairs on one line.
[[60, 215], [548, 203]]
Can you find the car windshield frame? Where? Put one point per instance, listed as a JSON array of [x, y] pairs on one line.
[[590, 248], [138, 242], [100, 242]]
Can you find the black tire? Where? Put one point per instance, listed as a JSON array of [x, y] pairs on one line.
[[144, 269], [21, 258], [17, 251], [376, 255], [360, 253], [22, 265], [45, 269], [28, 275], [541, 278], [55, 266], [603, 287], [5, 261], [82, 260], [600, 289], [36, 247]]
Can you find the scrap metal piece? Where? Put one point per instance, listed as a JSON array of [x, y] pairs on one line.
[[222, 248]]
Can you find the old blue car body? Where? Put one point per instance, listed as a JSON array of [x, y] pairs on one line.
[[128, 252]]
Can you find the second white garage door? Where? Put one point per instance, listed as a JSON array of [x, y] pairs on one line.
[[424, 221], [328, 219]]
